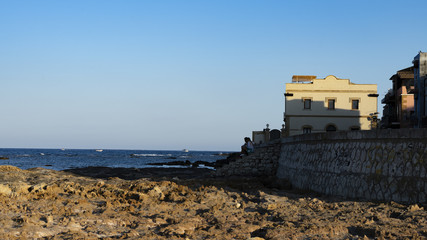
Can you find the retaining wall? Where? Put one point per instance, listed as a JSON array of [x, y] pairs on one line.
[[385, 165], [263, 162]]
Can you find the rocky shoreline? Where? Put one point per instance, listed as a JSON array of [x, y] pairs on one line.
[[203, 164], [185, 203]]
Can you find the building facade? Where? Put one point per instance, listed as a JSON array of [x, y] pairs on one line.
[[420, 79], [399, 108], [329, 104]]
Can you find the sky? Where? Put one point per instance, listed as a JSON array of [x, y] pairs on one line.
[[172, 75]]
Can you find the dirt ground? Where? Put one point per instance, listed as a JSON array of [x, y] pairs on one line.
[[105, 203]]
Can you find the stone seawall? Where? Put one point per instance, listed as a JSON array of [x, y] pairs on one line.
[[385, 165], [263, 162]]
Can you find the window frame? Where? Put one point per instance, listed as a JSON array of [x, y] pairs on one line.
[[309, 100], [352, 100], [334, 101]]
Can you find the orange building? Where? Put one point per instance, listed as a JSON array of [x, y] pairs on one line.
[[399, 109]]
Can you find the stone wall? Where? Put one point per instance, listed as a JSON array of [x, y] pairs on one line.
[[263, 162], [385, 165]]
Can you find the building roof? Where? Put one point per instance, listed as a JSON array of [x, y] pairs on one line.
[[302, 78], [406, 73]]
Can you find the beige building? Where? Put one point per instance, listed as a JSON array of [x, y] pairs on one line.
[[330, 104]]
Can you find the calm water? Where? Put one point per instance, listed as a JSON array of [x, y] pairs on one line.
[[58, 159]]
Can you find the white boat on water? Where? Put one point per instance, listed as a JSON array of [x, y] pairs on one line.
[[99, 150], [185, 150]]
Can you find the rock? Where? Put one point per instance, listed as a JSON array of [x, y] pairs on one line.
[[49, 204], [8, 168], [207, 164], [195, 165], [5, 190], [156, 193], [173, 163], [414, 207], [38, 187], [160, 221], [132, 234], [47, 219]]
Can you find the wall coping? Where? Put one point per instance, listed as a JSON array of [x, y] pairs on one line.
[[269, 143], [408, 133]]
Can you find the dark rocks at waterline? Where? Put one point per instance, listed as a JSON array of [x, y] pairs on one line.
[[186, 163], [4, 158], [173, 163], [230, 158], [222, 154], [219, 163], [207, 164]]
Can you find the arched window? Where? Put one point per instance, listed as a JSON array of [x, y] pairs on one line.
[[331, 128]]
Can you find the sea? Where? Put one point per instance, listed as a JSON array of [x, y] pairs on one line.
[[62, 159]]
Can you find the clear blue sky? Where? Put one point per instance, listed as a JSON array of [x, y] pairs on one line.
[[183, 74]]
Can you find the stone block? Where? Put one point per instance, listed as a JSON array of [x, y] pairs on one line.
[[408, 170], [392, 169], [372, 145], [422, 172], [417, 158]]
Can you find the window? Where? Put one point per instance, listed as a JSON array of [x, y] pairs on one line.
[[331, 104], [331, 128], [307, 103], [306, 130], [355, 104]]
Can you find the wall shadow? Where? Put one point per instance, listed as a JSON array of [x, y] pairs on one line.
[[250, 188]]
